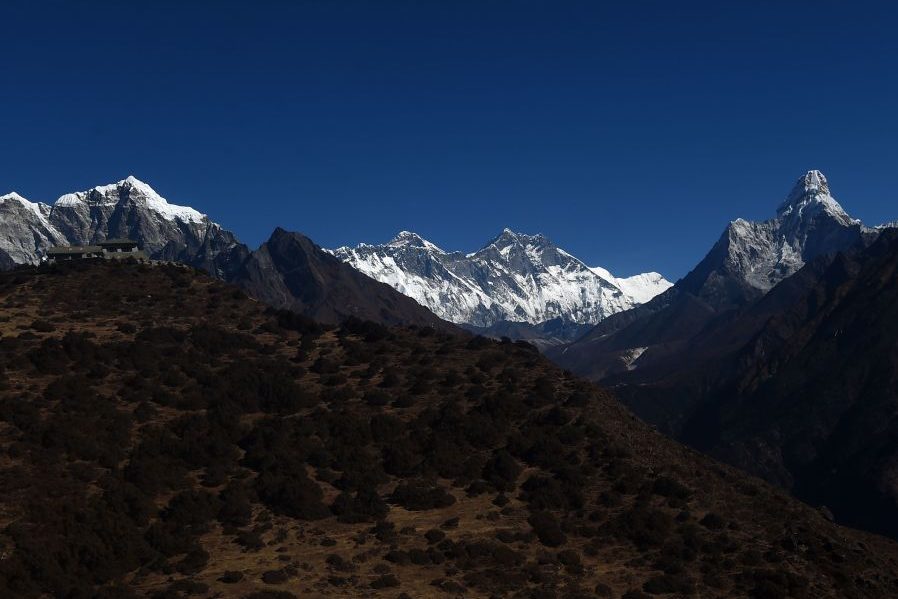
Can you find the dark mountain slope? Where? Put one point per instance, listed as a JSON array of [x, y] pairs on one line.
[[801, 388], [814, 402], [289, 271], [161, 435]]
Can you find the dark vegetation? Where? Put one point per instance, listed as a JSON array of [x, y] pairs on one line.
[[161, 435]]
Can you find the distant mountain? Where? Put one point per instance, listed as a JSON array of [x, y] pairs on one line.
[[514, 281], [747, 261], [289, 271]]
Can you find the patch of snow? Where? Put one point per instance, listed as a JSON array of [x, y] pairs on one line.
[[643, 287], [630, 357]]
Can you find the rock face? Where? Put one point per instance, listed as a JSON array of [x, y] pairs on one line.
[[747, 261], [25, 231], [289, 271], [129, 208], [132, 209], [515, 278], [751, 257]]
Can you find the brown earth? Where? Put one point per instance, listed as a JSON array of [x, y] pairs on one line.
[[163, 435]]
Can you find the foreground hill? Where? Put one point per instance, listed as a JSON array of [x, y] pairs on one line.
[[162, 435]]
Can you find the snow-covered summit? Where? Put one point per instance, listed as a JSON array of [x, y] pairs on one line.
[[515, 277], [40, 210], [409, 239], [132, 189], [751, 257], [129, 209], [811, 195]]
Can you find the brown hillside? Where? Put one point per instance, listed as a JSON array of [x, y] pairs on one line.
[[163, 435]]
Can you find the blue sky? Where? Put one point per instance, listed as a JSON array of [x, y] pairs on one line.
[[628, 132]]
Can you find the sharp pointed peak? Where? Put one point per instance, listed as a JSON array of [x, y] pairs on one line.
[[508, 237], [406, 236], [812, 182], [412, 239], [131, 188], [811, 190]]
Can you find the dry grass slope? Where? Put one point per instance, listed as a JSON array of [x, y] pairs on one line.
[[162, 435]]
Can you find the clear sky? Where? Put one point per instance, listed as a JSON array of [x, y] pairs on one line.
[[628, 132]]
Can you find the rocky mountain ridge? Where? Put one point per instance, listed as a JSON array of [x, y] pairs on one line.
[[129, 208], [748, 260], [515, 278], [288, 271]]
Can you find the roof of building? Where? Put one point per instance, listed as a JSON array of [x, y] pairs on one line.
[[74, 249], [120, 241]]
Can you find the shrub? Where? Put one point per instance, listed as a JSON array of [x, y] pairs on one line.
[[712, 521], [292, 494], [384, 582], [669, 583], [502, 470], [547, 530], [668, 487], [364, 506], [419, 495]]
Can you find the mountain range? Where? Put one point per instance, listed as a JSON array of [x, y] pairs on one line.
[[748, 260], [288, 271], [777, 353], [515, 282], [518, 285]]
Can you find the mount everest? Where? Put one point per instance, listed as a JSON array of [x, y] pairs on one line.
[[515, 278]]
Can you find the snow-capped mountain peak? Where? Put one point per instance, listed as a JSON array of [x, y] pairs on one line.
[[752, 257], [41, 210], [811, 195], [515, 277], [410, 239], [128, 208], [130, 189], [12, 196]]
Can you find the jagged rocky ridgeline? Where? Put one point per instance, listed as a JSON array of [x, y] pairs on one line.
[[288, 271], [748, 260], [776, 354], [127, 209], [518, 285]]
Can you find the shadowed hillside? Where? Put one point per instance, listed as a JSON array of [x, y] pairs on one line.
[[162, 435]]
